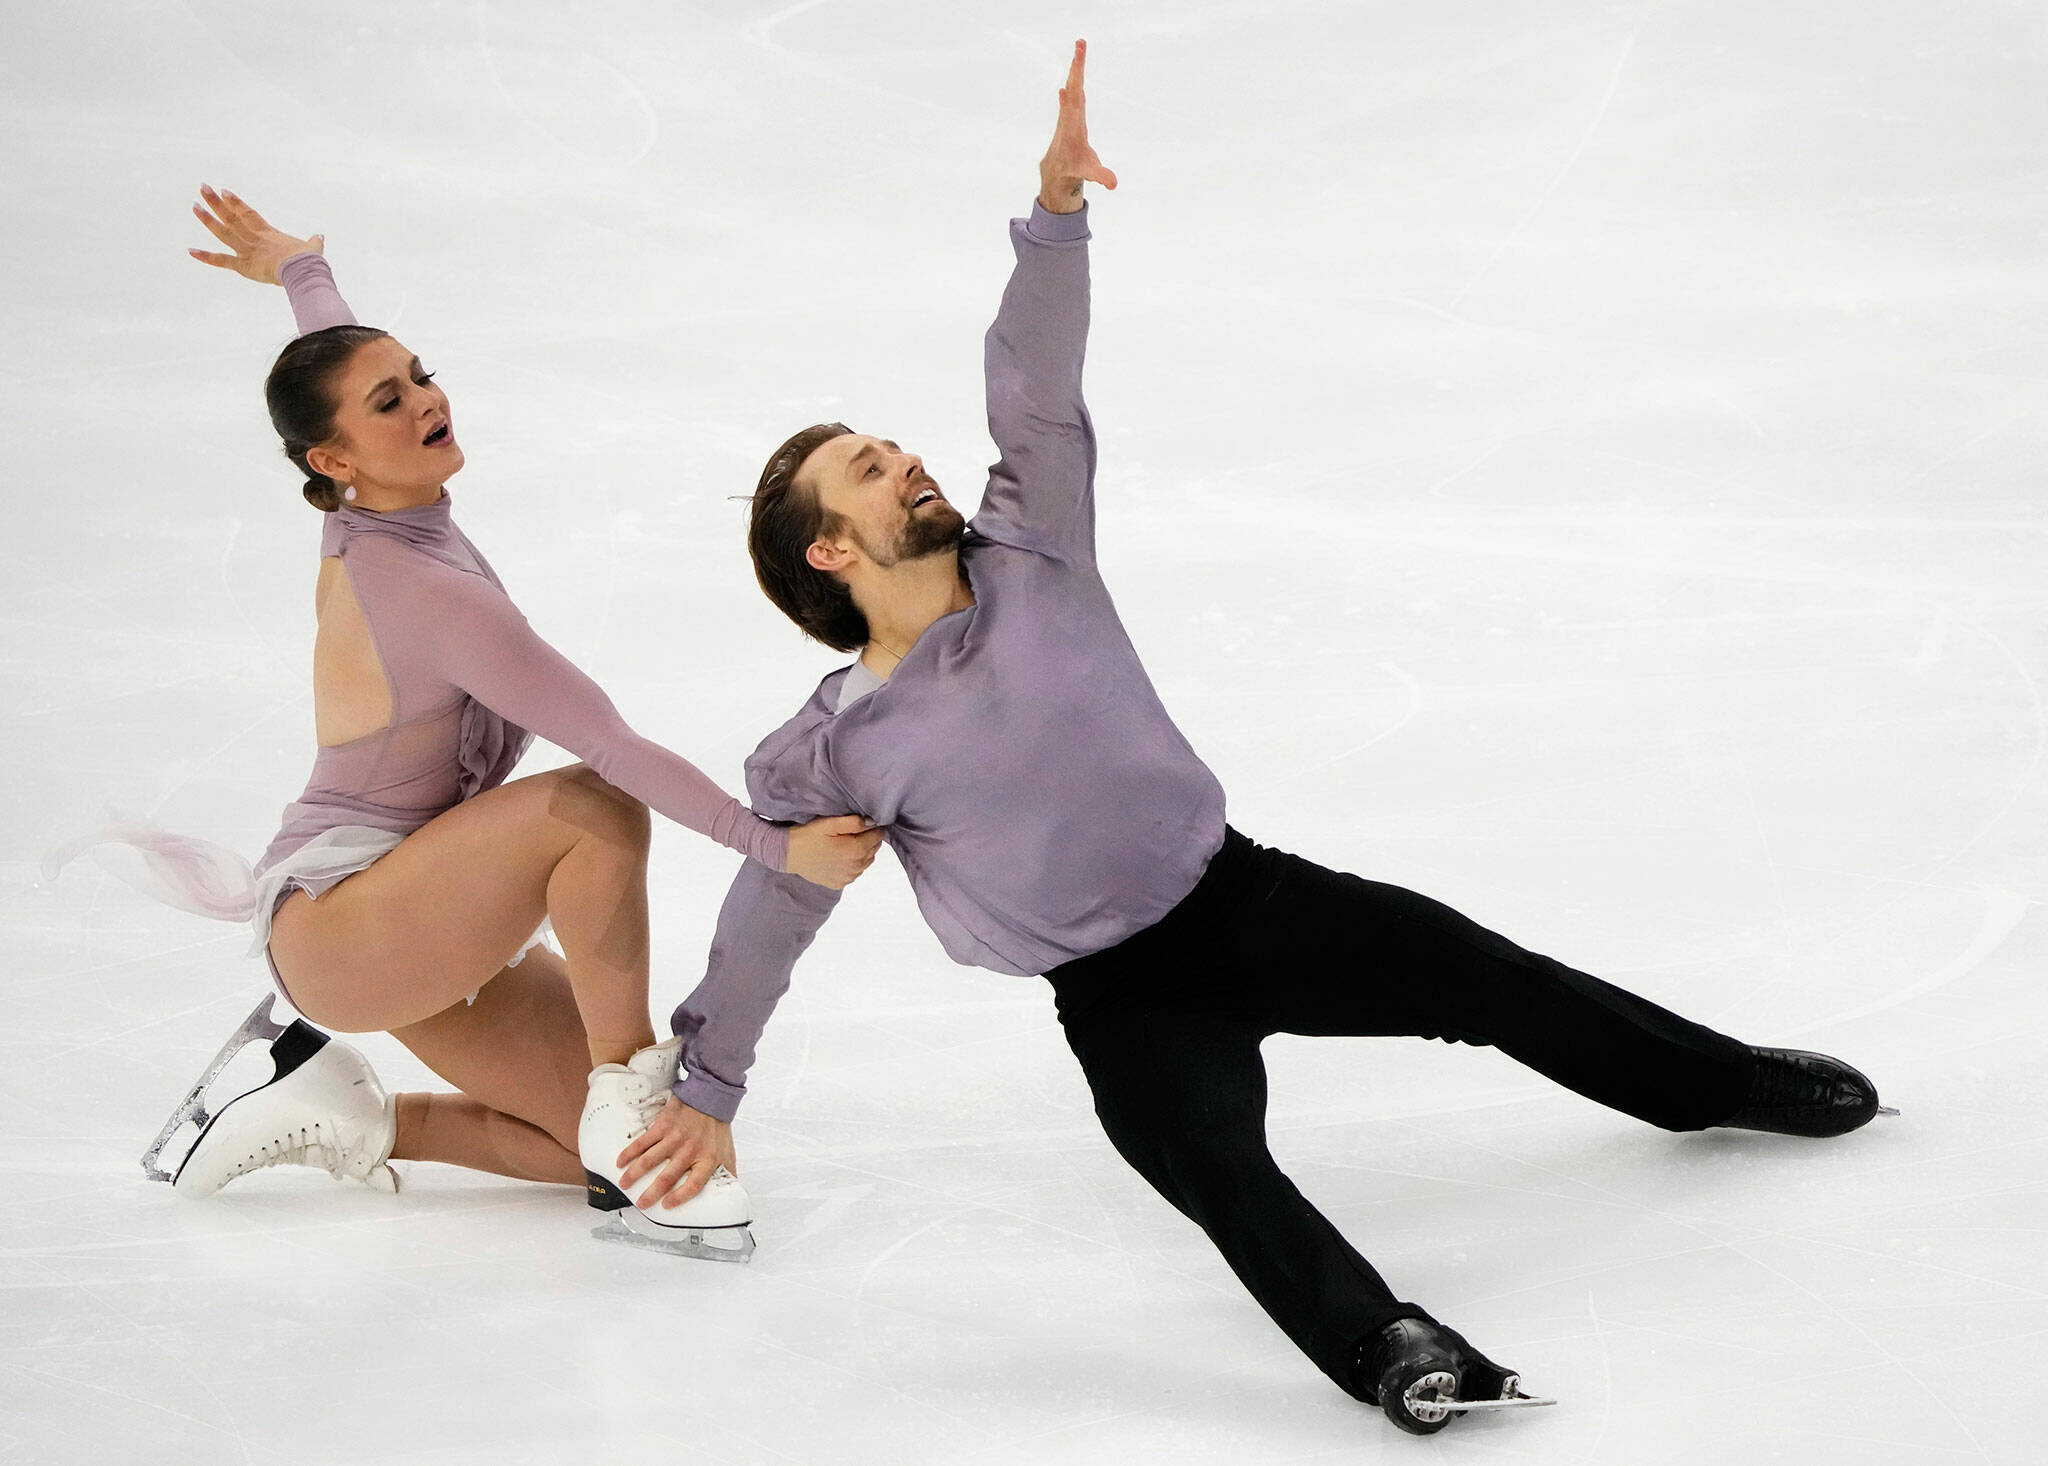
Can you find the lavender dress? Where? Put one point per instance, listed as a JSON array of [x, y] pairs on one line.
[[471, 685]]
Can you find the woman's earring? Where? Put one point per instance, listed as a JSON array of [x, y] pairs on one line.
[[349, 493]]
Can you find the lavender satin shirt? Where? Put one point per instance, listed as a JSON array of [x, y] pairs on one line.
[[1037, 794]]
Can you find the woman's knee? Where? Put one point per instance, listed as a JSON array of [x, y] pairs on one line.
[[603, 811]]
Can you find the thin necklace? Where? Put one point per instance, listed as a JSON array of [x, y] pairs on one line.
[[877, 641]]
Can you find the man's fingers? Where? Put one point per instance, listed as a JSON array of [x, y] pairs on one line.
[[664, 1181], [693, 1183], [1075, 67], [629, 1175], [634, 1147]]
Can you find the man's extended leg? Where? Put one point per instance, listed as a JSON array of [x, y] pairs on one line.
[[1330, 953]]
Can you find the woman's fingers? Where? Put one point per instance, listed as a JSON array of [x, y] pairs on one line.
[[225, 262], [223, 212], [247, 217], [231, 208], [217, 228]]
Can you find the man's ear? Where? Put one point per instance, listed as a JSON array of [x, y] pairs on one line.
[[830, 556]]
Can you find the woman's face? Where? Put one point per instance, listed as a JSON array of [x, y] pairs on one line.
[[392, 433]]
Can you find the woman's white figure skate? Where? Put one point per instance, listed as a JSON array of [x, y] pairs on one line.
[[321, 1107], [622, 1103]]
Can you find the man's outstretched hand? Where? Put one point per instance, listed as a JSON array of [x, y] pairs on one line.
[[679, 1151], [1070, 162]]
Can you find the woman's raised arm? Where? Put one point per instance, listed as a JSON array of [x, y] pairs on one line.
[[258, 247], [260, 252]]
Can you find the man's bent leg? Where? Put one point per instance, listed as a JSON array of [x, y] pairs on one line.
[[1182, 1096]]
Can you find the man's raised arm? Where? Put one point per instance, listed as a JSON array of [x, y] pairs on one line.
[[1041, 493]]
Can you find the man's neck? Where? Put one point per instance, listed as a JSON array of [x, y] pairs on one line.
[[902, 601]]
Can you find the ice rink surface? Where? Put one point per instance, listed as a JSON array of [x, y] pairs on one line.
[[1582, 461]]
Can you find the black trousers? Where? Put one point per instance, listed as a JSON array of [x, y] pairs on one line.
[[1167, 1026]]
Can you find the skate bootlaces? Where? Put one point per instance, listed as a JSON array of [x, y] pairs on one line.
[[643, 1099], [311, 1140]]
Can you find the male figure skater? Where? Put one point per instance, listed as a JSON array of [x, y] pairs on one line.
[[1053, 820]]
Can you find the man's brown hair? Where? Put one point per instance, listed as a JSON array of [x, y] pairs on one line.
[[782, 524]]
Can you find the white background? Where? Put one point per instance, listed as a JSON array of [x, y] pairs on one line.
[[1578, 460]]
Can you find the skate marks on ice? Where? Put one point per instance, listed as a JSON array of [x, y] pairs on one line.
[[1872, 195], [2002, 913]]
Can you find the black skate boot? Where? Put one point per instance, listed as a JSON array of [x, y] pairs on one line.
[[1422, 1373], [1797, 1093]]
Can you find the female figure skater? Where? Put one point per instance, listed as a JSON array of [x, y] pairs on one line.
[[404, 890]]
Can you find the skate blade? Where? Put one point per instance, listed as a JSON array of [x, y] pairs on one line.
[[258, 1026], [1886, 1110], [1428, 1399], [1509, 1402], [708, 1244]]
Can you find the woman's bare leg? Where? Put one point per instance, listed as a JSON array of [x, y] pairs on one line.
[[439, 917], [519, 1057]]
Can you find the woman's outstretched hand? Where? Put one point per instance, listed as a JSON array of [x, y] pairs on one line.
[[258, 248], [832, 852], [1070, 161]]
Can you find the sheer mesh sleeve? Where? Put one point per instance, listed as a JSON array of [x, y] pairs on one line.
[[316, 302], [445, 623]]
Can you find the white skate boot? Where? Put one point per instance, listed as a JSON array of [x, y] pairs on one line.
[[623, 1101], [323, 1107]]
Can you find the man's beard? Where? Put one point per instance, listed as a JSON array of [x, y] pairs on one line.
[[932, 531]]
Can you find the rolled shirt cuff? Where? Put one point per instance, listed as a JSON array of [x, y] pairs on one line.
[[707, 1096], [1049, 228]]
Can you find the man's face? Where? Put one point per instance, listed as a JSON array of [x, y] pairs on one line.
[[891, 508]]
